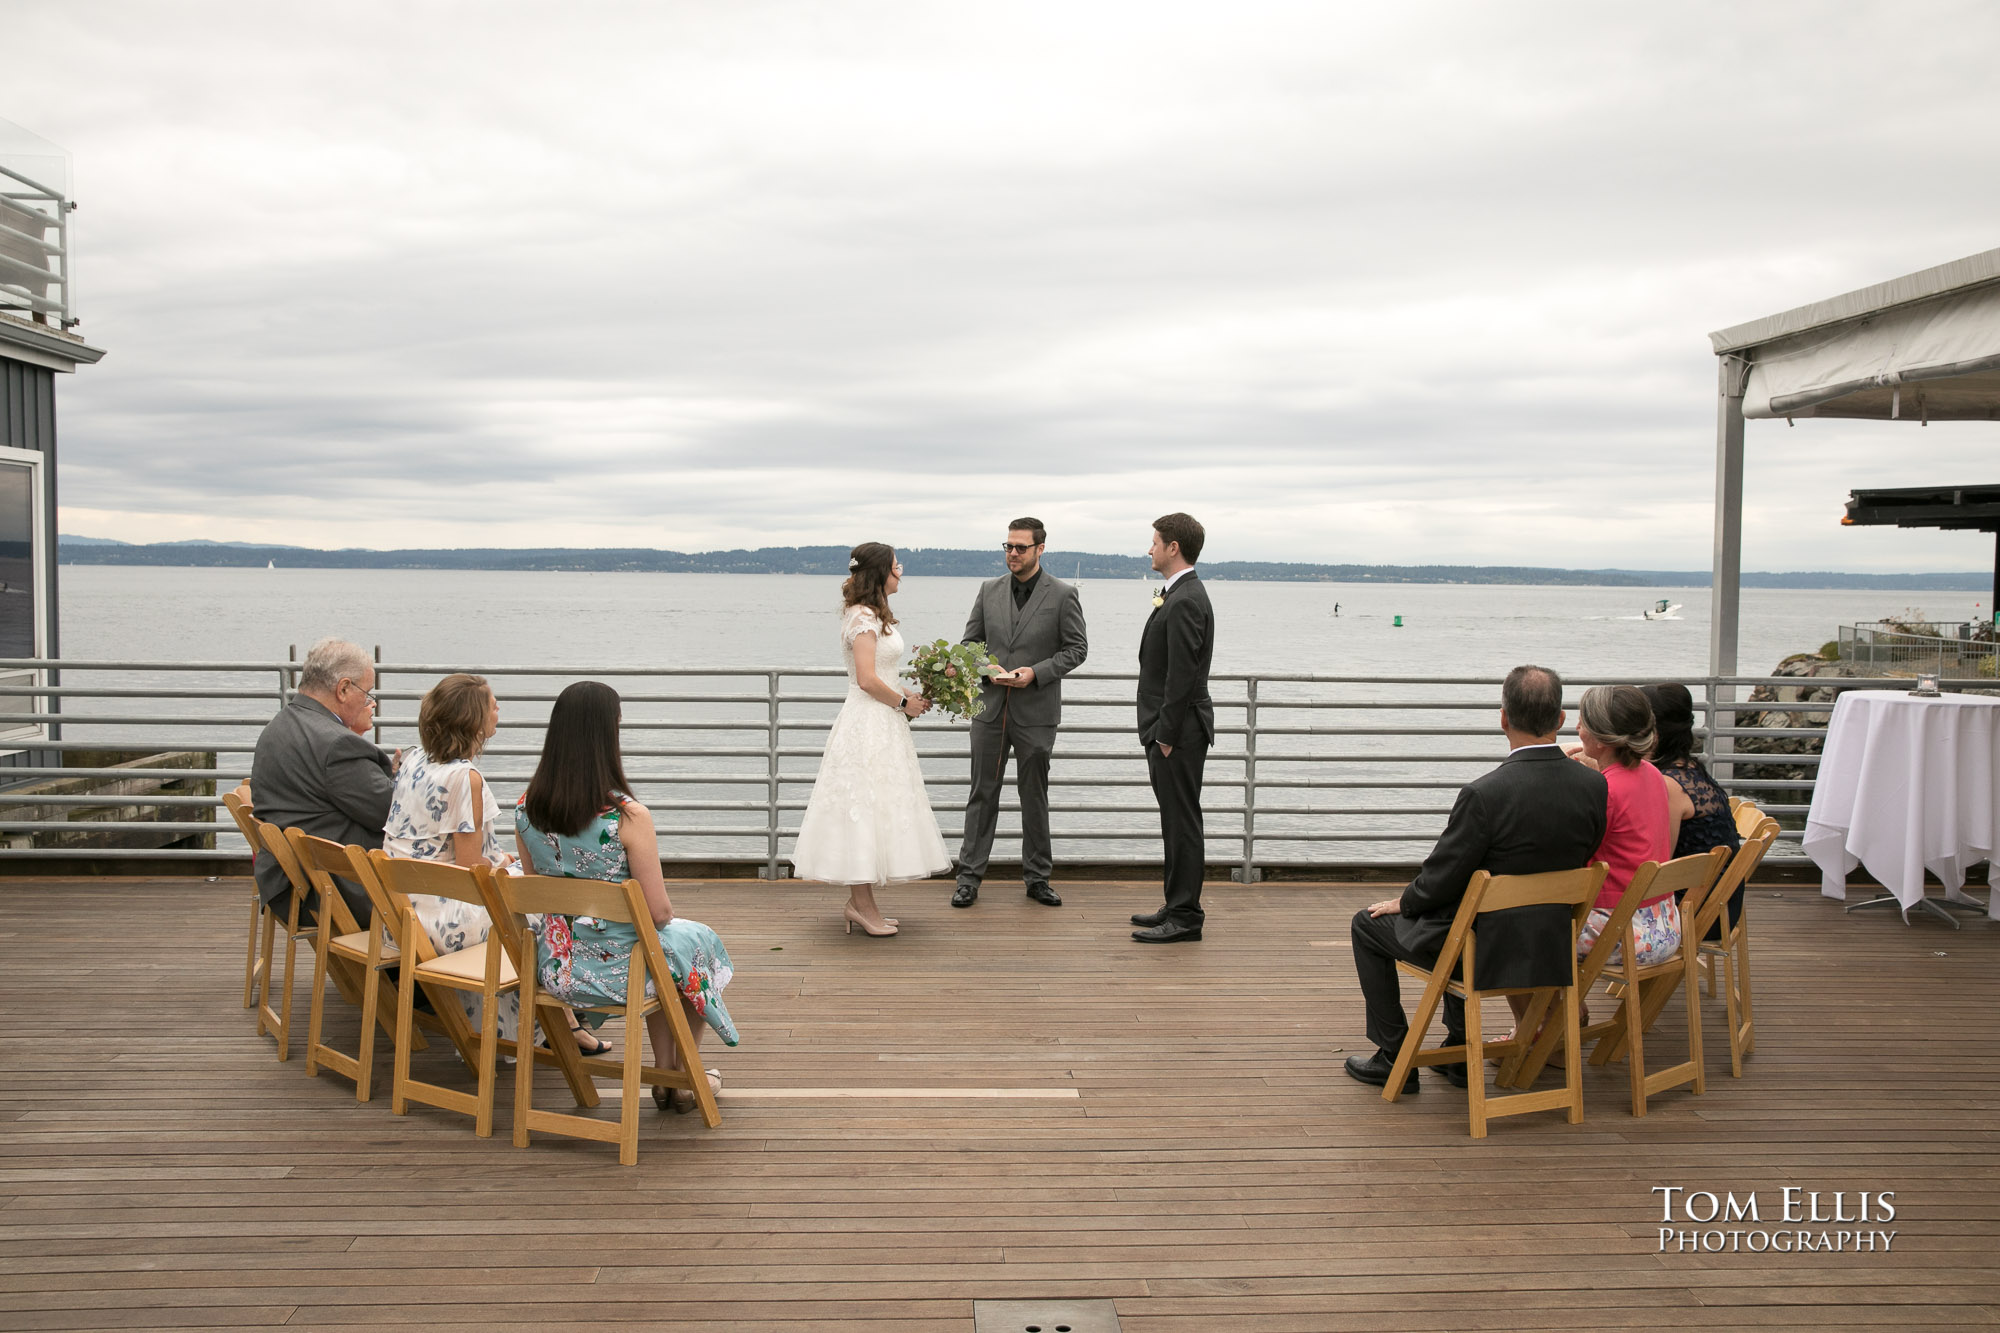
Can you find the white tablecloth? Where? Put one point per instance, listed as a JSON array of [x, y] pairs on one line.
[[1907, 785]]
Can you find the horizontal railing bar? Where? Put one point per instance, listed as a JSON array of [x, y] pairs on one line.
[[41, 276], [43, 771], [402, 668], [18, 295], [12, 798], [46, 247], [111, 826]]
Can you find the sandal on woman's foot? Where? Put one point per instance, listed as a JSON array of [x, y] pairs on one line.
[[577, 1034], [684, 1100]]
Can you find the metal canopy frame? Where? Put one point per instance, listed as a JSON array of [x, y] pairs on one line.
[[1952, 508]]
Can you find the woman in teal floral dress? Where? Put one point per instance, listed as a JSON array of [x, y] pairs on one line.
[[576, 820]]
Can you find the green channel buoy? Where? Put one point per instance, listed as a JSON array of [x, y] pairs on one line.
[[1399, 622]]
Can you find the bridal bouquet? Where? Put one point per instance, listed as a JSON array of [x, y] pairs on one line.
[[950, 675]]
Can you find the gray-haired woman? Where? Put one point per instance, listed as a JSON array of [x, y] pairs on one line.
[[1615, 726]]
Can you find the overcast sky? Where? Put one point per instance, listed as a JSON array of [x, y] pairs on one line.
[[1389, 283]]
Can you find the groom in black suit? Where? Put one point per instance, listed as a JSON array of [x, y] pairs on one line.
[[1177, 723], [1539, 811]]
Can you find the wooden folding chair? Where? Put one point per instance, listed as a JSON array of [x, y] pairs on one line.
[[240, 809], [1574, 889], [360, 951], [278, 1021], [1729, 954], [1540, 1038], [483, 968], [332, 912], [1643, 990], [517, 896]]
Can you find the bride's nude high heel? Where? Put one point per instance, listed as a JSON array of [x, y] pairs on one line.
[[854, 919]]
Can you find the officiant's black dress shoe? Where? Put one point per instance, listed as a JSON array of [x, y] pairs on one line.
[[1376, 1070], [1168, 932], [966, 895], [1453, 1074], [1043, 894], [1149, 918]]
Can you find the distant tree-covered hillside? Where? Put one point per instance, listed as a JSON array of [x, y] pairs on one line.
[[940, 562]]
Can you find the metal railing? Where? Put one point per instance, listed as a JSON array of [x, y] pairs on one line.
[[34, 249], [1958, 648], [1307, 771]]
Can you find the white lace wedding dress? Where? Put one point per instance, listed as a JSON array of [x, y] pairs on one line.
[[869, 820]]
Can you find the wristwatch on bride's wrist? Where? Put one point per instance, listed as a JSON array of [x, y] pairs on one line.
[[903, 705]]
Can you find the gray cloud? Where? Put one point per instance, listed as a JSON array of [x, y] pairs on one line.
[[1429, 284]]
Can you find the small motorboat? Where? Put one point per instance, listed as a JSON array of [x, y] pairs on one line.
[[1663, 610]]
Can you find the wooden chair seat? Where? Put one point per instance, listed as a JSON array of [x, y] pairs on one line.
[[466, 969], [355, 947], [1573, 889]]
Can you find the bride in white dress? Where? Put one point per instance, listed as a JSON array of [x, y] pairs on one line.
[[869, 821]]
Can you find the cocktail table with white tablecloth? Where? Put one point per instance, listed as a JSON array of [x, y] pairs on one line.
[[1907, 784]]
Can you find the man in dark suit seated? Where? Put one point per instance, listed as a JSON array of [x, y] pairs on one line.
[[1538, 811], [315, 768]]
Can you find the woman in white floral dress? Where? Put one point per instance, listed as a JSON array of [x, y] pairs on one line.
[[443, 810], [869, 819]]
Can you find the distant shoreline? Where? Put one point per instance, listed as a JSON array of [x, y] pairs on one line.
[[943, 562]]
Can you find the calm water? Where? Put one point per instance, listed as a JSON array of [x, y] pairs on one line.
[[479, 617], [1383, 776]]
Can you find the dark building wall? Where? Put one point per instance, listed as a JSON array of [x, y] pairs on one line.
[[28, 421]]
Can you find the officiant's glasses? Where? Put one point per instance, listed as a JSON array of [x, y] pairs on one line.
[[1018, 548]]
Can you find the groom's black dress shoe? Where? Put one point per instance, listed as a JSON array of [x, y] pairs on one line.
[[1149, 918], [1453, 1074], [966, 895], [1168, 932], [1043, 894], [1376, 1070]]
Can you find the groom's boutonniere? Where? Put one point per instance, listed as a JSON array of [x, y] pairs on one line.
[[1160, 595]]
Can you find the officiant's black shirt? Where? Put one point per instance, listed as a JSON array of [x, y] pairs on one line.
[[1025, 588]]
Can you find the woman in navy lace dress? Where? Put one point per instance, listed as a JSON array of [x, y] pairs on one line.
[[1706, 821]]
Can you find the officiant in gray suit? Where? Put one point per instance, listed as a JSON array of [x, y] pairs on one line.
[[1032, 623]]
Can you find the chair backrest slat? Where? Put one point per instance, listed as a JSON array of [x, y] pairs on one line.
[[1564, 888], [1692, 877], [273, 839], [603, 899], [1747, 816], [320, 860], [237, 803], [405, 876]]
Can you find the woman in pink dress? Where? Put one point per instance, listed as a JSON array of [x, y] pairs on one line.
[[1615, 726]]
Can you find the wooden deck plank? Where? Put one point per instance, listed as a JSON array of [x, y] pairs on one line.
[[1213, 1168]]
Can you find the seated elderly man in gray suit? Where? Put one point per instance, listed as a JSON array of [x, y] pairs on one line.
[[1032, 623], [316, 770]]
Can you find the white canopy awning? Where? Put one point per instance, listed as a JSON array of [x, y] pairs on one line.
[[1924, 348], [1920, 348]]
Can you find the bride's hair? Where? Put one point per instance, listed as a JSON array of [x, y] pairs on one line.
[[868, 568]]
